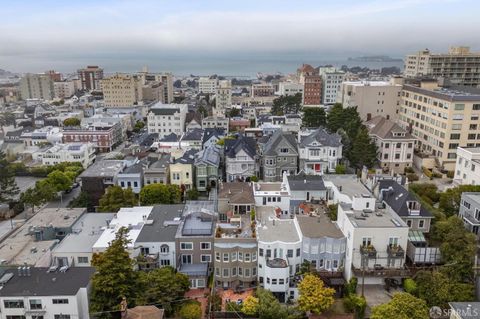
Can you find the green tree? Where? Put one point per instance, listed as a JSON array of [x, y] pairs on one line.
[[38, 195], [71, 121], [332, 211], [250, 306], [114, 277], [115, 198], [191, 310], [269, 307], [287, 104], [59, 180], [202, 110], [138, 126], [410, 286], [163, 286], [335, 118], [356, 304], [160, 194], [402, 306], [340, 169], [82, 200], [8, 186], [254, 178], [192, 194], [314, 117], [364, 150], [7, 118], [315, 297], [234, 112], [450, 199]]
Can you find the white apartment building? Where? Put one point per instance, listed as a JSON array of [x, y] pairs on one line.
[[223, 98], [122, 90], [70, 152], [207, 85], [219, 122], [290, 88], [372, 98], [459, 65], [37, 86], [442, 119], [467, 167], [275, 194], [64, 89], [395, 144], [332, 80], [45, 293], [165, 119]]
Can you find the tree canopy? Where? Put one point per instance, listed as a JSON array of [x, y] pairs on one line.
[[269, 307], [363, 151], [314, 117], [402, 306], [287, 104], [71, 121], [450, 199], [250, 306], [315, 297], [8, 186], [115, 198], [160, 194], [191, 310]]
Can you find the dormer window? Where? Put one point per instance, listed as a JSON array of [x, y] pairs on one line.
[[284, 150], [413, 207]]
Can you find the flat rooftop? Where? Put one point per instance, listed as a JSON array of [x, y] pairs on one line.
[[104, 168], [272, 229], [274, 188], [349, 184], [380, 218], [20, 247], [162, 224], [85, 232], [318, 226]]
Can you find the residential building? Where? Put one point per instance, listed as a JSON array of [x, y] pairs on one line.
[[193, 120], [31, 292], [223, 98], [207, 168], [194, 242], [55, 76], [241, 161], [72, 152], [235, 199], [157, 171], [470, 211], [192, 139], [290, 88], [165, 119], [323, 244], [442, 119], [395, 145], [157, 237], [181, 170], [274, 195], [312, 85], [459, 65], [75, 250], [207, 85], [211, 136], [279, 155], [262, 89], [37, 86], [279, 255], [64, 89], [46, 134], [122, 90], [304, 189], [376, 240], [105, 136], [319, 151], [99, 176], [131, 177], [215, 122], [372, 98], [332, 80], [238, 124], [467, 167], [90, 77]]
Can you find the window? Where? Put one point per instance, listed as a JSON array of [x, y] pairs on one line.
[[284, 150], [247, 272], [476, 107], [247, 257], [240, 256], [35, 304], [459, 107], [393, 241], [298, 252], [206, 258], [233, 256], [14, 303], [205, 246], [290, 253], [274, 281], [260, 252], [60, 301], [269, 253], [186, 246], [335, 263], [82, 260], [19, 317], [387, 145], [225, 257], [186, 259], [421, 223], [366, 241], [164, 262], [164, 249], [455, 136], [240, 271]]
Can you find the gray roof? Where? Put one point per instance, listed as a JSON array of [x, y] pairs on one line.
[[247, 144], [188, 157], [172, 137], [198, 224], [322, 137], [165, 111], [161, 230], [277, 137], [209, 156], [195, 134], [104, 168], [384, 129], [303, 182], [43, 283], [271, 230], [136, 168], [162, 162], [318, 227], [210, 132]]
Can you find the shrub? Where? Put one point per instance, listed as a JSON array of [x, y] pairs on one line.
[[351, 286], [355, 304], [340, 169], [412, 177], [410, 286], [191, 310], [409, 170]]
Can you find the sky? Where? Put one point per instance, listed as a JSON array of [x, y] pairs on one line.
[[125, 34]]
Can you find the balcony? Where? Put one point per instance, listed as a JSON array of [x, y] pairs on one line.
[[41, 310], [368, 251], [380, 271], [395, 251]]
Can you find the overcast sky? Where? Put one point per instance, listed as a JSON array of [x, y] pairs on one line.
[[37, 35]]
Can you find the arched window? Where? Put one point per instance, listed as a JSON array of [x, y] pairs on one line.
[[164, 249]]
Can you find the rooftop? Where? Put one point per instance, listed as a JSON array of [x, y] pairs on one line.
[[44, 283], [453, 93], [305, 182], [104, 168], [277, 188], [21, 247], [85, 232], [380, 218], [237, 193], [384, 129], [370, 83], [272, 229], [162, 224], [318, 227], [349, 185]]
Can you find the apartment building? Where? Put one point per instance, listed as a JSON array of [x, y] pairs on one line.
[[395, 145], [467, 167], [64, 89], [332, 80], [290, 88], [470, 211], [319, 151], [214, 122], [153, 79], [261, 90], [207, 85], [83, 153], [99, 176], [442, 119], [122, 90], [105, 136], [90, 77], [312, 85], [37, 86], [372, 98], [31, 292], [165, 119], [223, 97], [459, 65]]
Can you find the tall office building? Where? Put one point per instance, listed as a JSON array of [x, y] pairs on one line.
[[37, 86], [223, 98], [332, 80], [122, 90], [90, 77], [165, 78], [459, 65]]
